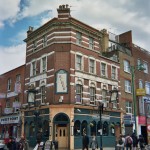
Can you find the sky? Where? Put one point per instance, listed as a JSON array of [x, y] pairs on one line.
[[117, 16]]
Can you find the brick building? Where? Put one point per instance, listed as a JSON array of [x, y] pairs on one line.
[[11, 97], [70, 77]]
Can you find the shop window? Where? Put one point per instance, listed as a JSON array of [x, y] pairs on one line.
[[32, 129], [105, 128], [93, 128], [84, 127], [46, 128], [77, 126]]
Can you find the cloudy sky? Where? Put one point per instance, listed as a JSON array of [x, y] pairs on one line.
[[117, 16]]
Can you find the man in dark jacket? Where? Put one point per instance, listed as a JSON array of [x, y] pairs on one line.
[[85, 142]]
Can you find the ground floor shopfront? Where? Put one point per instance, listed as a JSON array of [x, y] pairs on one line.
[[10, 126], [65, 124]]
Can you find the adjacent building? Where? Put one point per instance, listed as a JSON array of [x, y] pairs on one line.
[[11, 98]]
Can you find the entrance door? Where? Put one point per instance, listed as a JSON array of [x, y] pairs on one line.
[[62, 137]]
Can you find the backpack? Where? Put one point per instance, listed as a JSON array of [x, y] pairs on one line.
[[129, 140], [120, 141]]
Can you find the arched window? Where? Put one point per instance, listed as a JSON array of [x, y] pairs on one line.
[[32, 129], [93, 128], [77, 126], [112, 128], [46, 128], [105, 128], [84, 127]]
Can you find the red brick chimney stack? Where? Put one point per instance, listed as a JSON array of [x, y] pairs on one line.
[[63, 11]]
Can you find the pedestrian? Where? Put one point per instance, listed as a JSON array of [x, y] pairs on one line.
[[85, 141], [39, 137], [11, 144], [141, 142], [121, 143], [23, 144], [94, 143], [135, 141], [128, 142]]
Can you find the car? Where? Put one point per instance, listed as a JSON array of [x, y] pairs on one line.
[[2, 144]]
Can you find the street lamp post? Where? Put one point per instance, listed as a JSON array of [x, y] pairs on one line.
[[133, 69], [100, 107]]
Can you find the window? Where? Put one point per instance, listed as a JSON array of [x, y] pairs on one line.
[[92, 95], [104, 95], [43, 94], [33, 68], [45, 40], [78, 38], [128, 107], [141, 106], [79, 62], [126, 66], [9, 84], [43, 64], [79, 90], [145, 65], [113, 73], [91, 43], [84, 128], [128, 86], [140, 84], [77, 126], [92, 66], [103, 69], [105, 128], [7, 103], [93, 128], [147, 87], [18, 76], [139, 62], [34, 45]]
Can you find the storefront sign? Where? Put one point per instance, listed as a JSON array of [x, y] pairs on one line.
[[9, 119], [142, 120], [140, 92]]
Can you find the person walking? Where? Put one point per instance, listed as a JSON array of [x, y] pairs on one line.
[[128, 142], [85, 141], [23, 144], [135, 141], [121, 143], [94, 143], [141, 142]]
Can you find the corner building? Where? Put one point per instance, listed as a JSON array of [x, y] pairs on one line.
[[65, 66]]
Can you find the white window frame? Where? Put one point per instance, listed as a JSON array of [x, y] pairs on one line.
[[92, 91], [9, 84], [33, 68], [103, 70], [43, 69], [43, 93], [128, 107], [91, 43], [114, 72], [79, 92], [139, 62], [79, 64], [126, 64], [92, 66], [145, 65], [18, 78], [140, 84], [127, 84], [79, 38], [147, 87]]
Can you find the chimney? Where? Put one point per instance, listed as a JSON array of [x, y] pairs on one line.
[[63, 11], [105, 40], [29, 30]]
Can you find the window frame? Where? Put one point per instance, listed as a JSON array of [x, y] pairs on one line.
[[147, 87], [91, 66], [9, 82], [79, 38], [80, 93], [145, 65], [43, 68], [92, 91], [33, 68], [128, 86], [126, 65], [91, 43], [128, 107], [79, 62], [114, 72], [103, 69]]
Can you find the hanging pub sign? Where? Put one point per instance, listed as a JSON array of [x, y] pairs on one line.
[[61, 81]]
